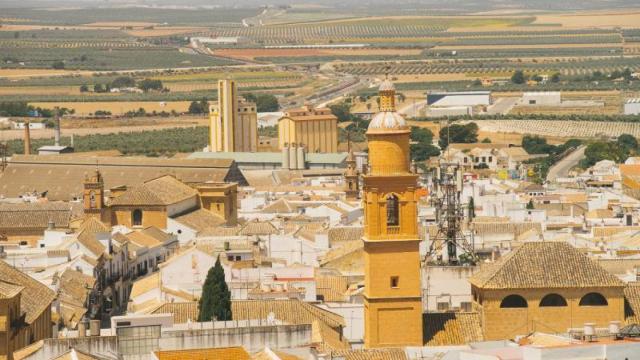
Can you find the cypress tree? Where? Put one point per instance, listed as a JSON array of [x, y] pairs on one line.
[[215, 301]]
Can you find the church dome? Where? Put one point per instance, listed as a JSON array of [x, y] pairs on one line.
[[386, 85], [387, 120]]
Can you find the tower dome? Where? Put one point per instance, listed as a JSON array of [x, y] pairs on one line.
[[388, 118]]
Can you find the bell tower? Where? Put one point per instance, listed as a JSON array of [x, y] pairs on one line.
[[93, 196], [392, 294], [352, 184]]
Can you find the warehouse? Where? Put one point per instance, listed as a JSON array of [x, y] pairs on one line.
[[459, 98], [632, 107], [547, 98]]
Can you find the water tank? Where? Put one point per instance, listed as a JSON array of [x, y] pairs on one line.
[[94, 328], [285, 156], [293, 157]]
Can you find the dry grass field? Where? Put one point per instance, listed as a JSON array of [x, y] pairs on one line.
[[252, 54], [613, 101], [26, 73], [604, 19], [118, 107]]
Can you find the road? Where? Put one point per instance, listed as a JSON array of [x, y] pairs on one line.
[[562, 167], [502, 105], [413, 109]]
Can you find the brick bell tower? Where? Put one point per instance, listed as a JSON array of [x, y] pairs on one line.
[[392, 294], [93, 196]]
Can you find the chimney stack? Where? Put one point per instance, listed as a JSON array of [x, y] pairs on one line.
[[27, 138]]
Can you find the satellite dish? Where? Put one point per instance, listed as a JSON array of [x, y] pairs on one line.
[[271, 319]]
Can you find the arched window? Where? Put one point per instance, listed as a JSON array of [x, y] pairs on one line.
[[393, 210], [553, 300], [593, 299], [92, 199], [136, 217], [514, 301]]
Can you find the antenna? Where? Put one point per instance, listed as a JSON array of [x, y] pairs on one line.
[[447, 188]]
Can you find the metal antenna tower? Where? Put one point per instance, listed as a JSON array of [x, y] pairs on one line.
[[445, 197]]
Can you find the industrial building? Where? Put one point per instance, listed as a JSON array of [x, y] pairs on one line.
[[314, 129], [292, 158], [632, 106], [546, 98], [234, 121], [459, 98]]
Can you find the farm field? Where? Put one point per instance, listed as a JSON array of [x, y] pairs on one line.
[[592, 19], [253, 54], [551, 128], [117, 107]]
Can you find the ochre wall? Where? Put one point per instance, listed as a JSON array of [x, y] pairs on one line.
[[317, 135], [505, 323], [150, 216]]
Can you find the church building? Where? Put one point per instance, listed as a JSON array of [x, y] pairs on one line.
[[392, 294]]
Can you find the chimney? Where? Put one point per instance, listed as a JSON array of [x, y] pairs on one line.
[[27, 138]]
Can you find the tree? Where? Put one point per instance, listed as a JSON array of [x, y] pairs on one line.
[[518, 77], [457, 133], [123, 82], [530, 205], [150, 84], [84, 88], [422, 147], [486, 141], [555, 78], [537, 145], [471, 209], [215, 302], [58, 65], [628, 142], [477, 82], [199, 107], [599, 150], [264, 102], [342, 111]]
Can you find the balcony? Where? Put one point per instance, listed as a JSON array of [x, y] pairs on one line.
[[393, 230]]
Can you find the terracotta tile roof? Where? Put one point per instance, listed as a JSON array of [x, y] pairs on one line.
[[165, 190], [74, 354], [344, 249], [544, 265], [601, 231], [293, 311], [280, 206], [200, 219], [220, 231], [35, 297], [144, 239], [258, 228], [89, 241], [227, 353], [73, 286], [487, 228], [145, 284], [371, 354], [182, 311], [34, 215], [442, 329], [333, 288], [343, 234], [270, 354], [632, 303], [64, 174], [9, 290]]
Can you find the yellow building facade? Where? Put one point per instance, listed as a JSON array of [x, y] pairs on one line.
[[315, 129], [233, 121], [221, 199], [392, 294], [548, 287]]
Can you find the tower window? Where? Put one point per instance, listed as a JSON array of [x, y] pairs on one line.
[[92, 199], [395, 281], [393, 210], [136, 217]]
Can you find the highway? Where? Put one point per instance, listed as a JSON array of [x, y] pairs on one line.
[[562, 167]]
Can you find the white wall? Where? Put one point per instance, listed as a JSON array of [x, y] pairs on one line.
[[184, 233], [447, 284], [187, 271], [182, 206]]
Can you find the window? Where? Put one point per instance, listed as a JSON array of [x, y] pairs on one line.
[[443, 306], [484, 159], [593, 299], [490, 158], [395, 281], [532, 102], [393, 210], [238, 258], [465, 306], [92, 199], [553, 300], [513, 301], [136, 217], [465, 160], [230, 257]]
